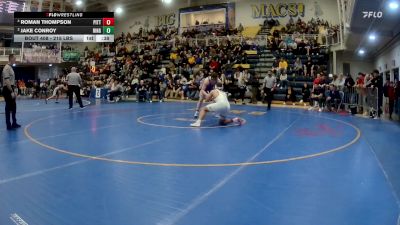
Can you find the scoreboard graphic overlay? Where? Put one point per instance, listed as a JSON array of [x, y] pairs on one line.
[[63, 27]]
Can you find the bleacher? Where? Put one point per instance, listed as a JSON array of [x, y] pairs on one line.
[[297, 82]]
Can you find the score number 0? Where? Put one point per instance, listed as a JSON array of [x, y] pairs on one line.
[[108, 21]]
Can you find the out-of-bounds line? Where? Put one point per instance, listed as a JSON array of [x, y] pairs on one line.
[[396, 198], [63, 134], [54, 108], [203, 197], [40, 172], [398, 219]]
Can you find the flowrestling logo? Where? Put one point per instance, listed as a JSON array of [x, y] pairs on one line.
[[372, 14], [17, 219]]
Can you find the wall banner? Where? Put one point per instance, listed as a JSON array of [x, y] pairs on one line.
[[277, 10]]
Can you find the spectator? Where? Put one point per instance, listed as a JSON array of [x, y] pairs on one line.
[[290, 95], [283, 65], [275, 65], [142, 93], [309, 67], [397, 92], [193, 87], [317, 98], [255, 85], [182, 88], [35, 90], [298, 67], [170, 89], [305, 91], [340, 82], [349, 82], [43, 89], [317, 80], [242, 84], [391, 93], [22, 87], [377, 82], [283, 80], [333, 97], [155, 89], [360, 85], [116, 90]]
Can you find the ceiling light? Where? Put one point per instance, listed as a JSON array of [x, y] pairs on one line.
[[393, 5], [78, 3], [118, 10], [372, 37], [167, 1], [361, 52]]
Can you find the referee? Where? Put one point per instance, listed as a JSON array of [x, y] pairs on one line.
[[9, 93], [74, 86], [269, 85]]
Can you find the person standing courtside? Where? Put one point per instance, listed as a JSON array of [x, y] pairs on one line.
[[74, 85], [9, 93], [269, 85]]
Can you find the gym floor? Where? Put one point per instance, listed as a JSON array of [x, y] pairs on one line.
[[141, 163]]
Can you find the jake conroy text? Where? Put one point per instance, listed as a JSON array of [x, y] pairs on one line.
[[37, 30]]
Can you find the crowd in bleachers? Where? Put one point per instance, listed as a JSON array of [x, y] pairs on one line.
[[313, 26], [143, 35], [168, 71], [177, 70], [195, 32], [169, 33]]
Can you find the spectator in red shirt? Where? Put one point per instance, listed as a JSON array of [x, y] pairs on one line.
[[360, 79], [214, 65], [317, 80]]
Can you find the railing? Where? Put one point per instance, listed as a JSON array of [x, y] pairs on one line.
[[202, 27], [361, 98], [51, 56], [4, 51], [260, 40], [322, 39], [38, 55]]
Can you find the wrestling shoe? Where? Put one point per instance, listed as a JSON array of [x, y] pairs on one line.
[[238, 121], [196, 124], [15, 125]]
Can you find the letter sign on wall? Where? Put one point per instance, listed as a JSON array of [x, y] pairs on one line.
[[165, 20], [278, 10]]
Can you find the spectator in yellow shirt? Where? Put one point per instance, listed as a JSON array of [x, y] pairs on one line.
[[192, 60], [283, 65], [173, 55]]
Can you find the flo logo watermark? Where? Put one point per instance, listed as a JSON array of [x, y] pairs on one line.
[[372, 14]]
